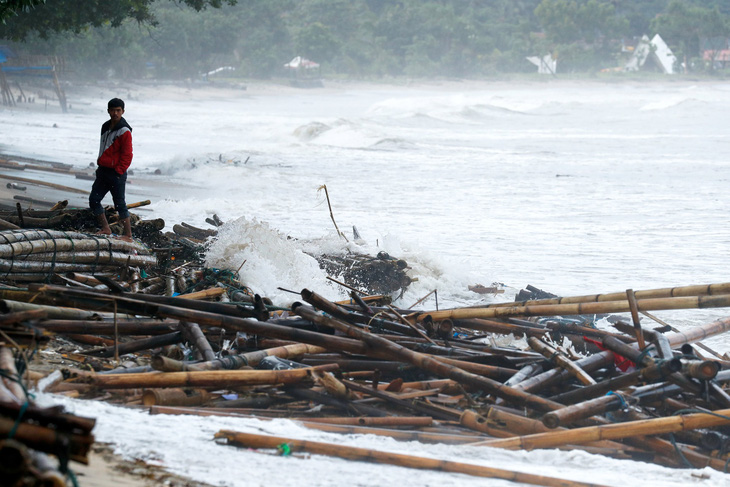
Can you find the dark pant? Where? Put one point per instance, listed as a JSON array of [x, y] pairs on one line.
[[108, 180]]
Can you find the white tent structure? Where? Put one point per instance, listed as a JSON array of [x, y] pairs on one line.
[[657, 50], [545, 64]]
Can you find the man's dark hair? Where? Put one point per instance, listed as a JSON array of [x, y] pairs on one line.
[[116, 102]]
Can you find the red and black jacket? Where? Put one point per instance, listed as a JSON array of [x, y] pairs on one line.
[[115, 149]]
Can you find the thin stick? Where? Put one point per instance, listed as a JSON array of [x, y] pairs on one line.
[[287, 290], [415, 328], [324, 186], [116, 334], [345, 285], [422, 299]]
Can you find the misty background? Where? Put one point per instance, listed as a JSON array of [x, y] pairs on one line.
[[363, 39]]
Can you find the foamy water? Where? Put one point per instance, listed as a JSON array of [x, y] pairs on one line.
[[574, 188]]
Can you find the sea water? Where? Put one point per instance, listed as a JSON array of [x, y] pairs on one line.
[[575, 188], [571, 187]]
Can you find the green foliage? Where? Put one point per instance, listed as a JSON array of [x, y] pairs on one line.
[[357, 38], [9, 8], [683, 25], [582, 33], [47, 17]]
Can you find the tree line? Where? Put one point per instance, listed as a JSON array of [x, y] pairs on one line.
[[355, 38]]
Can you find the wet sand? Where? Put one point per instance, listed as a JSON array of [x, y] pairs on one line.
[[106, 469]]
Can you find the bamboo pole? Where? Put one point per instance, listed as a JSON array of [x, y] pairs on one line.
[[86, 327], [213, 292], [669, 292], [59, 295], [697, 333], [618, 306], [552, 354], [634, 308], [232, 362], [617, 431], [43, 183], [425, 362], [552, 376], [174, 397], [649, 373], [12, 381], [215, 378], [368, 421], [248, 440], [49, 440], [319, 425], [194, 335], [137, 345]]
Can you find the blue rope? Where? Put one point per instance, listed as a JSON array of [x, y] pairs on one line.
[[624, 404], [23, 408]]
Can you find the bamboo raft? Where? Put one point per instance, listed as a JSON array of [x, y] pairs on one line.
[[173, 337]]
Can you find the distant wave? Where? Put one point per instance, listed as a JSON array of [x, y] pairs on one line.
[[668, 103], [311, 130], [392, 144]]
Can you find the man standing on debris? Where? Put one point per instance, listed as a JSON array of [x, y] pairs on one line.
[[115, 156]]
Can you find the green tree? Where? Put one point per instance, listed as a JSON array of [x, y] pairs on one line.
[[584, 34], [684, 24], [317, 42], [46, 17]]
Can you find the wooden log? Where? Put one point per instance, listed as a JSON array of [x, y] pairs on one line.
[[247, 440], [560, 360], [656, 426], [213, 378], [425, 362]]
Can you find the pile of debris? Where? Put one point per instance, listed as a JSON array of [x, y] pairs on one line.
[[139, 325]]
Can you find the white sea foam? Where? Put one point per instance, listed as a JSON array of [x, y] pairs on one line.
[[184, 444]]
